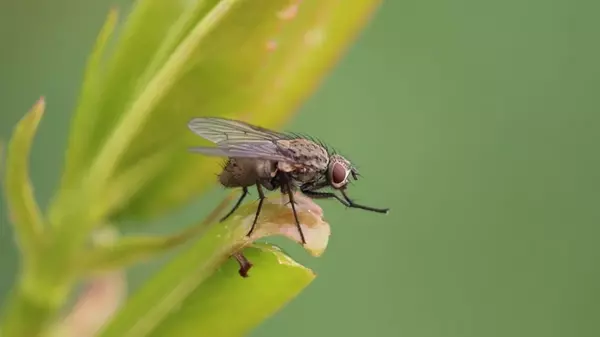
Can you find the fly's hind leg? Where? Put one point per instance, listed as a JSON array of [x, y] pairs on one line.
[[237, 204], [261, 196]]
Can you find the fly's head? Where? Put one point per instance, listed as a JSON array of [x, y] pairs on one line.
[[339, 170]]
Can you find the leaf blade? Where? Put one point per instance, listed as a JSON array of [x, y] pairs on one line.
[[85, 116], [24, 211], [228, 305]]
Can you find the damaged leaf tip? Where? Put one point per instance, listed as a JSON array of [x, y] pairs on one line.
[[277, 219]]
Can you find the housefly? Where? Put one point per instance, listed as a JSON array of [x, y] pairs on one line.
[[275, 160]]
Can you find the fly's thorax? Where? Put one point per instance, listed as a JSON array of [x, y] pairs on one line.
[[305, 153], [239, 172]]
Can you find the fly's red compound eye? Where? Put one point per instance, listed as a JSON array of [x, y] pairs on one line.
[[338, 174]]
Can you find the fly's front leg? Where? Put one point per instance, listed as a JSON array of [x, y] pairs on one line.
[[366, 208], [325, 195], [346, 201]]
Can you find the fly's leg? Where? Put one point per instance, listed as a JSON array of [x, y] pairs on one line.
[[261, 196], [296, 216], [366, 208], [346, 201], [245, 265], [324, 195], [237, 204], [290, 193]]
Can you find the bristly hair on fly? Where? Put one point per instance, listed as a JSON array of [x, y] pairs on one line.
[[329, 149], [224, 167], [225, 163], [299, 135]]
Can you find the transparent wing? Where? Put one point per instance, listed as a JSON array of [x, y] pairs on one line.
[[238, 139], [242, 152], [221, 130]]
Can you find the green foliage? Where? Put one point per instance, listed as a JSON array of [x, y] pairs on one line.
[[24, 212], [248, 301], [127, 159]]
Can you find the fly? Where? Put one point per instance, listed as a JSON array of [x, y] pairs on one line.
[[273, 160]]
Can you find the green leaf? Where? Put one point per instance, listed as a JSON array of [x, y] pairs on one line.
[[84, 119], [228, 305], [187, 274], [28, 223], [72, 198], [179, 59], [24, 212]]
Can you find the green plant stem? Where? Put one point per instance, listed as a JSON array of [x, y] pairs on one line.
[[32, 299], [40, 293], [28, 299], [19, 306]]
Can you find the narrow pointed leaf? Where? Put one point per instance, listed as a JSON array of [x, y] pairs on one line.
[[86, 117], [23, 209]]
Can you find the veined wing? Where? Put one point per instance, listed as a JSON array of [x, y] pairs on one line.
[[238, 139], [268, 151], [222, 131]]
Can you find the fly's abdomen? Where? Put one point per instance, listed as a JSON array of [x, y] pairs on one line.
[[243, 172]]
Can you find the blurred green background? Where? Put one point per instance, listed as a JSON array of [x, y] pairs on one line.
[[476, 121]]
